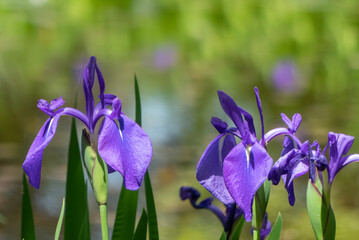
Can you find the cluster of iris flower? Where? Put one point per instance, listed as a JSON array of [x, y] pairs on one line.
[[233, 172]]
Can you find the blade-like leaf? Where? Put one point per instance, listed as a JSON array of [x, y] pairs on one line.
[[237, 229], [77, 225], [27, 220], [223, 236], [151, 209], [150, 202], [125, 215], [141, 229], [260, 203], [59, 222], [321, 215], [276, 229]]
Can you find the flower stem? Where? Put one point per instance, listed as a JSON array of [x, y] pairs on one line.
[[256, 234], [104, 224]]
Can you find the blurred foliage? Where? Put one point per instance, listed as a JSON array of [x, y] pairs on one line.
[[182, 52]]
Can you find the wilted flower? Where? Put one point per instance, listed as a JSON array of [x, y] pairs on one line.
[[122, 144]]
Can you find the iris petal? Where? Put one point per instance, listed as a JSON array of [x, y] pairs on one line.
[[128, 150], [245, 169], [210, 168], [33, 161]]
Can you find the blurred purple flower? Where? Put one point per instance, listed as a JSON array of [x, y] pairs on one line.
[[165, 57], [125, 147], [285, 76]]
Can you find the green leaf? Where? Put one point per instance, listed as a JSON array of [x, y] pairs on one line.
[[59, 222], [151, 209], [138, 103], [125, 215], [320, 214], [150, 202], [276, 229], [237, 229], [141, 229], [27, 220], [223, 236], [260, 203], [77, 225]]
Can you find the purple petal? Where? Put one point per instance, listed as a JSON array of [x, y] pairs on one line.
[[259, 105], [350, 158], [128, 150], [101, 82], [56, 103], [296, 121], [232, 110], [33, 160], [281, 131], [287, 121], [89, 76], [210, 168], [220, 125], [339, 145], [244, 171], [116, 106], [44, 106]]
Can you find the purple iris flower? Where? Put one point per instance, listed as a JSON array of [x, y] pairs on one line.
[[122, 144], [234, 172], [227, 219], [339, 145]]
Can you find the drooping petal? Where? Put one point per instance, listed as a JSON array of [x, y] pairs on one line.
[[56, 103], [281, 131], [244, 170], [33, 160], [47, 108], [210, 167], [350, 158], [128, 150]]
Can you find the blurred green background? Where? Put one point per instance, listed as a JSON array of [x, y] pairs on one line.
[[182, 52]]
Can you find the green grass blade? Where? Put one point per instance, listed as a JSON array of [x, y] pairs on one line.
[[59, 222], [150, 202], [77, 225], [141, 229], [125, 215], [237, 229], [151, 209], [223, 236], [138, 103], [27, 219], [276, 229]]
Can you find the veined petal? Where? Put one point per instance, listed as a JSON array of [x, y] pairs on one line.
[[33, 160], [128, 150], [210, 167], [244, 170]]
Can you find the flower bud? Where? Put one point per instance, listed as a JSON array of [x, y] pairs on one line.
[[96, 168]]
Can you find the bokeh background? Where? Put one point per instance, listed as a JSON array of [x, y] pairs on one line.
[[303, 56]]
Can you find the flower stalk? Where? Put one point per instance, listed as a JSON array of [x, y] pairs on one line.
[[104, 224]]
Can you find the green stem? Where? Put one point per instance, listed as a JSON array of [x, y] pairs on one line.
[[256, 234], [104, 224]]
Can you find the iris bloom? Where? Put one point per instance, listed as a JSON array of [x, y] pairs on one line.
[[227, 219], [234, 172], [122, 144], [339, 145]]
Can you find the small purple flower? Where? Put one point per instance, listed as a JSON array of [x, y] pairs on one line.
[[339, 145], [227, 219], [234, 172], [122, 144]]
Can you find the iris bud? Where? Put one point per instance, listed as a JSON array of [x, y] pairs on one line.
[[96, 168]]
